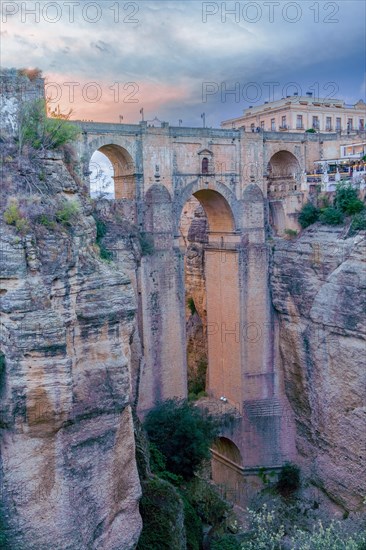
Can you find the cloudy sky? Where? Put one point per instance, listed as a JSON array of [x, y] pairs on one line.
[[178, 59]]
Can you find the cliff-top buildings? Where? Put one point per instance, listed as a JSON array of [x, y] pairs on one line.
[[300, 113]]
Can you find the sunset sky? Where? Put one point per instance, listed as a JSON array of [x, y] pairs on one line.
[[159, 54]]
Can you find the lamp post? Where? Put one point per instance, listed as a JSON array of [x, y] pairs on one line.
[[203, 116]]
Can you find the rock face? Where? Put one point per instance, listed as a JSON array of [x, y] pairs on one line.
[[318, 290], [68, 471]]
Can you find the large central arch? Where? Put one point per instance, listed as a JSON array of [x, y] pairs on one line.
[[221, 274]]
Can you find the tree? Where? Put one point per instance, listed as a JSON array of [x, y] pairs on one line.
[[183, 433]]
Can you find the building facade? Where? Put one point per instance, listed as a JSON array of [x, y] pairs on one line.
[[301, 113]]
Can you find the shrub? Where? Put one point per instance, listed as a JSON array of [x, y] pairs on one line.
[[40, 132], [266, 535], [291, 233], [346, 199], [208, 503], [288, 479], [332, 537], [67, 212], [225, 542], [191, 305], [311, 131], [359, 222], [158, 466], [160, 506], [331, 216], [146, 244], [309, 214], [45, 220], [192, 524], [183, 433], [13, 216], [197, 380], [104, 253]]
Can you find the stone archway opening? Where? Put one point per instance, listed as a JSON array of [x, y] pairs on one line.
[[283, 175], [212, 294], [101, 175], [227, 469], [112, 173]]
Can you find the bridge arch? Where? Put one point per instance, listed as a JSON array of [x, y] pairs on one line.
[[284, 171], [218, 201], [227, 468], [123, 166]]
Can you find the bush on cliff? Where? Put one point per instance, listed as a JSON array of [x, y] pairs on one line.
[[183, 433], [309, 214], [38, 131], [331, 216], [346, 199], [161, 509]]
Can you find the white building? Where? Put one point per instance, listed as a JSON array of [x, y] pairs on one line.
[[300, 113]]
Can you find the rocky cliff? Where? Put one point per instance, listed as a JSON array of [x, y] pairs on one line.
[[318, 291], [68, 331]]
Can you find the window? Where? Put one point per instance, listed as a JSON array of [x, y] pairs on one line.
[[362, 124], [350, 124], [283, 121], [299, 124], [273, 124], [328, 123], [205, 165], [338, 123], [252, 127], [316, 122], [262, 124]]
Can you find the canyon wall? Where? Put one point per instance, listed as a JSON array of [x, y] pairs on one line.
[[318, 290], [69, 336]]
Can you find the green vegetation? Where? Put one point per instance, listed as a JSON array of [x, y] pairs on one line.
[[225, 542], [146, 244], [183, 433], [346, 200], [309, 214], [191, 305], [267, 532], [311, 131], [359, 222], [197, 381], [105, 254], [346, 203], [207, 502], [38, 131], [67, 212], [160, 507], [291, 233], [331, 216], [13, 216], [332, 537]]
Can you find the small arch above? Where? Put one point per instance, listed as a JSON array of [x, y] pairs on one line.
[[123, 168], [227, 448], [283, 164]]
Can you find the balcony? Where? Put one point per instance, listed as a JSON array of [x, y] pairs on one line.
[[299, 127], [283, 128]]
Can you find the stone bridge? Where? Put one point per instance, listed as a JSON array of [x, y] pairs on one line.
[[233, 175]]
